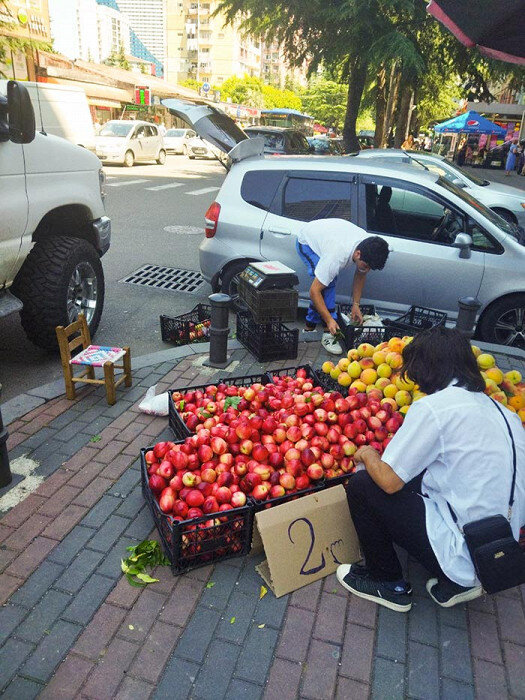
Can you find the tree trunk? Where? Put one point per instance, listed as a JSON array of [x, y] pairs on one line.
[[393, 92], [380, 108], [404, 115], [356, 85]]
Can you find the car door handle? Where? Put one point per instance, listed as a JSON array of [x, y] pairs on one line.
[[280, 231]]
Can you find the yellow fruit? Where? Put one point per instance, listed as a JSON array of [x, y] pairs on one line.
[[499, 396], [404, 384], [391, 402], [476, 351], [390, 391], [354, 369], [486, 361], [382, 382], [381, 346], [367, 363], [403, 398], [491, 385], [404, 409], [352, 354], [343, 364], [335, 372], [394, 359], [379, 357], [368, 376], [521, 414], [344, 379], [407, 339], [327, 367], [514, 377], [384, 370], [517, 401], [358, 384], [416, 395], [396, 344], [511, 408], [495, 374], [365, 350]]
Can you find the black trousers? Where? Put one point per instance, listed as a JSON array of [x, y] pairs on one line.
[[382, 520]]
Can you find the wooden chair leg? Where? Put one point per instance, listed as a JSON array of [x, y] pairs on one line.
[[70, 386], [91, 373], [127, 366], [109, 378], [64, 358]]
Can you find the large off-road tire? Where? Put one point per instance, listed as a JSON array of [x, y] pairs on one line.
[[60, 277], [504, 322]]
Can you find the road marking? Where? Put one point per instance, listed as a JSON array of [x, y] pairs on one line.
[[204, 191], [126, 182], [164, 187]]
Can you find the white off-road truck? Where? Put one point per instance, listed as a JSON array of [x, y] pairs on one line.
[[53, 227]]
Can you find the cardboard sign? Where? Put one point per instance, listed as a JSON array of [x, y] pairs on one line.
[[306, 539]]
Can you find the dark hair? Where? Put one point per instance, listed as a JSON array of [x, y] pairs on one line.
[[374, 252], [437, 356]]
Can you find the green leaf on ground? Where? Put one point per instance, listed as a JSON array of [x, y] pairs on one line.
[[210, 584], [95, 438], [232, 620], [147, 553]]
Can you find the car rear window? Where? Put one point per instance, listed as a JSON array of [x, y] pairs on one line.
[[259, 187]]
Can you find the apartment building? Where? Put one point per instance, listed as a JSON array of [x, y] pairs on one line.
[[147, 19], [276, 71]]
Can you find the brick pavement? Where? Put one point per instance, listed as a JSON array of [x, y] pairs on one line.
[[71, 626]]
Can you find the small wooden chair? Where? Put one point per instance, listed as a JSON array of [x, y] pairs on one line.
[[91, 356]]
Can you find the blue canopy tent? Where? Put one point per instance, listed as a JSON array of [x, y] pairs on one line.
[[470, 123]]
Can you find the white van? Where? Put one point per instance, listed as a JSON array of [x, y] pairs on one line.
[[65, 112]]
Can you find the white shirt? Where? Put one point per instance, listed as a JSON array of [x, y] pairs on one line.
[[334, 241], [462, 441]]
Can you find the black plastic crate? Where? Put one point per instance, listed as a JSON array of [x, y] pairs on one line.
[[416, 319], [177, 330], [269, 341], [175, 421], [258, 506], [292, 371], [190, 544], [268, 304], [354, 335]]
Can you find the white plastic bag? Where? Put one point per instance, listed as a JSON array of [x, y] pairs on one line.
[[375, 320], [155, 405]]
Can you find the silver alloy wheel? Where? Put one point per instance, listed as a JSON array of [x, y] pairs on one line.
[[82, 292], [509, 329]]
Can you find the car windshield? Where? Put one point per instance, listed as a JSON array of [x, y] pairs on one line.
[[120, 129], [494, 218], [175, 132]]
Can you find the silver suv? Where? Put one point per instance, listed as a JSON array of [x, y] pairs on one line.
[[445, 244]]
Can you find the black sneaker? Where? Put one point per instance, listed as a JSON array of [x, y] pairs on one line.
[[363, 586], [447, 593]]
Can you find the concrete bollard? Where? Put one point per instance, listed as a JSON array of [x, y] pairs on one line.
[[5, 471], [219, 330], [468, 309]]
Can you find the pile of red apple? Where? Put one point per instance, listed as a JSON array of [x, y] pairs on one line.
[[272, 440]]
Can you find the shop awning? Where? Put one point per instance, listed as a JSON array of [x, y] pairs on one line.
[[110, 104], [470, 123]]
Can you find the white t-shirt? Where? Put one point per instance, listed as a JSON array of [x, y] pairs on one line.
[[334, 241], [461, 439]]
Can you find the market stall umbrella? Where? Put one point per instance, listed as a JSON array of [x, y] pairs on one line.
[[496, 27], [470, 123]]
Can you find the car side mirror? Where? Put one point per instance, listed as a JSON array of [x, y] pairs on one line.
[[20, 113], [464, 242]]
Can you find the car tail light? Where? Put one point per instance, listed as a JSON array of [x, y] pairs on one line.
[[212, 219]]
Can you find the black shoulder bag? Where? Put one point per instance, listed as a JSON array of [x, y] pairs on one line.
[[498, 559]]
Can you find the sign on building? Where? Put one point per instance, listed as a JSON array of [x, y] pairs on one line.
[[143, 95]]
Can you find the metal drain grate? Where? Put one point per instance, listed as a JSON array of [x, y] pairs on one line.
[[168, 278]]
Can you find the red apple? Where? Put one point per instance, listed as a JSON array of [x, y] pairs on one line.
[[195, 498], [260, 453], [180, 508], [210, 505], [302, 482], [287, 481], [315, 472], [307, 457], [277, 491], [238, 499], [157, 483], [189, 479], [246, 447], [167, 500], [165, 470], [260, 492]]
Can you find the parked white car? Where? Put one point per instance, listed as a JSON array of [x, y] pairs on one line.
[[507, 201], [200, 148], [127, 142], [176, 140]]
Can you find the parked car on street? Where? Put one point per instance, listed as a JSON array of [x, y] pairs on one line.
[[176, 140], [127, 142], [508, 202], [324, 146], [281, 141], [196, 147], [445, 243], [54, 227]]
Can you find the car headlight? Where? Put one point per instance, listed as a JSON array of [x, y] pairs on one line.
[[102, 183]]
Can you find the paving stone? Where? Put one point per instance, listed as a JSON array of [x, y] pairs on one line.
[[106, 677], [295, 636], [78, 571], [217, 670], [109, 451], [111, 564], [106, 537], [155, 652], [124, 595], [118, 408], [454, 690], [257, 654], [142, 615], [177, 681], [6, 557], [22, 689], [391, 635], [283, 681], [63, 420], [89, 599], [490, 680], [423, 671], [321, 671], [348, 688], [240, 690], [100, 631], [125, 483], [31, 557], [307, 597], [12, 656], [515, 663], [24, 510], [423, 622], [198, 634], [93, 492], [511, 618], [64, 522], [249, 580], [10, 617], [42, 618], [361, 612], [71, 545], [182, 601], [132, 689], [484, 603], [224, 579], [484, 637], [330, 621], [389, 680], [45, 450], [241, 607], [271, 610], [453, 617], [98, 515], [141, 525], [86, 475], [358, 652], [116, 467], [455, 654], [44, 435], [53, 483], [51, 650], [8, 585]]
